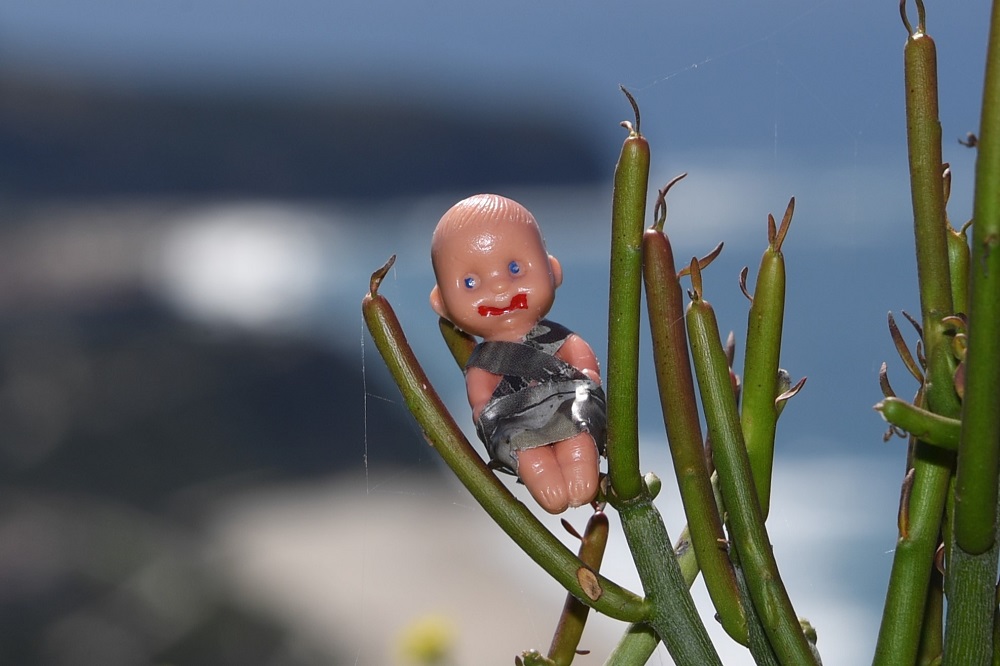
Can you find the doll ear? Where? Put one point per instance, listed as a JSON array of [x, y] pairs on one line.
[[437, 303], [556, 269]]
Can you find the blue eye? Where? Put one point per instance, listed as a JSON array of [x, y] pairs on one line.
[[514, 268], [469, 282]]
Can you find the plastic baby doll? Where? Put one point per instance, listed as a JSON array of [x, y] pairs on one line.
[[534, 386]]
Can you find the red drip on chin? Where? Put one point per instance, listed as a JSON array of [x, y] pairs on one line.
[[519, 302]]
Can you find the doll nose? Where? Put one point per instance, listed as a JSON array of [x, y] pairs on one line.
[[498, 284]]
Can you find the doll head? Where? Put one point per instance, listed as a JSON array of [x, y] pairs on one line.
[[494, 277]]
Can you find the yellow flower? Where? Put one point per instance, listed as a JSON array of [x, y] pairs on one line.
[[427, 640]]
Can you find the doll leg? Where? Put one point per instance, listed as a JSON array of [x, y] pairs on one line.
[[579, 461], [541, 474]]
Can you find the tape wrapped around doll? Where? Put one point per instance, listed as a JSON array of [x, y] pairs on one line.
[[557, 402], [540, 415]]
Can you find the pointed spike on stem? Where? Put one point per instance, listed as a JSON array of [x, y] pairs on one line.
[[916, 324], [378, 275], [883, 381], [903, 517], [702, 263], [939, 559], [904, 351], [959, 323], [635, 107], [730, 348], [921, 15], [772, 230], [946, 177], [660, 209], [569, 528], [696, 284], [786, 222], [791, 392], [743, 283]]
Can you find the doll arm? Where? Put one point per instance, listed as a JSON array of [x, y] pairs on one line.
[[578, 353], [480, 384]]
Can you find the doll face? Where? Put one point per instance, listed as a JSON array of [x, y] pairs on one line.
[[494, 278]]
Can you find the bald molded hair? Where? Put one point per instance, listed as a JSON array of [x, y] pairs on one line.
[[479, 209]]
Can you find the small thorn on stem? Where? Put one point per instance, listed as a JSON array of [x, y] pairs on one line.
[[743, 284], [696, 284], [921, 16], [702, 263], [378, 275], [883, 381], [730, 348], [904, 504], [635, 106], [569, 528], [904, 351], [790, 393], [786, 221], [914, 322], [939, 559], [946, 177], [660, 209]]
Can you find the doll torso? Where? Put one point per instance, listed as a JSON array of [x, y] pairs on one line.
[[540, 398]]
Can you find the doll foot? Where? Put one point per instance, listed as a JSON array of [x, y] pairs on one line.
[[539, 471], [579, 463]]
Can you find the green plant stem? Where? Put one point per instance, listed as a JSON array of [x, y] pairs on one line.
[[447, 439], [628, 209], [972, 568], [927, 426], [931, 636], [971, 606], [748, 534], [757, 641], [673, 614], [460, 343], [574, 614], [899, 633], [958, 260], [759, 413], [906, 598], [635, 648], [996, 627], [680, 417], [979, 451], [929, 219]]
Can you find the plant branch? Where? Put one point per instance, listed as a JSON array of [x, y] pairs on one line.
[[746, 523], [759, 414], [447, 439], [664, 300], [972, 568], [628, 210]]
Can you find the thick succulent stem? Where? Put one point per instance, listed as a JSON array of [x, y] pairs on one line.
[[628, 210]]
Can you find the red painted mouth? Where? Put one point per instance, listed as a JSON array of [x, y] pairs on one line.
[[519, 302]]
